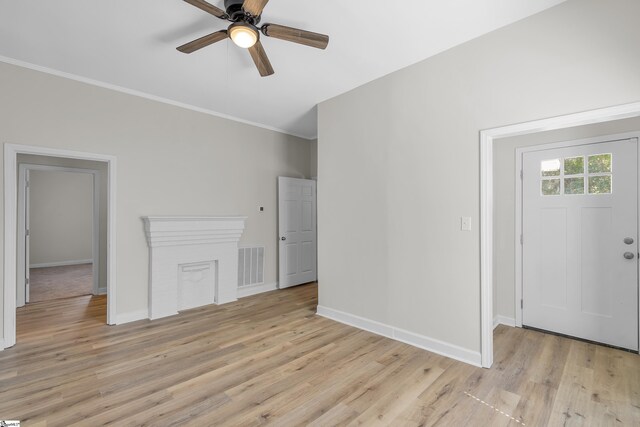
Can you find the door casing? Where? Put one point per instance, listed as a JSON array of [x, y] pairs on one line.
[[487, 139], [11, 152]]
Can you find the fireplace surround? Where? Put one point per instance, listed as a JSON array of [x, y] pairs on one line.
[[193, 261]]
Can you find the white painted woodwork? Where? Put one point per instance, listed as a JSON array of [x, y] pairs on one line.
[[193, 261], [297, 231], [576, 280]]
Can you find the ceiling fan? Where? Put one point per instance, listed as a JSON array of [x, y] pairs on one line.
[[244, 16]]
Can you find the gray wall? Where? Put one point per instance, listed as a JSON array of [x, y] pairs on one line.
[[399, 159], [504, 200], [314, 159], [171, 161], [61, 217]]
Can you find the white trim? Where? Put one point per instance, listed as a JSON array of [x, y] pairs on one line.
[[504, 320], [518, 200], [102, 291], [62, 263], [518, 243], [247, 291], [426, 343], [487, 139], [10, 228], [145, 95], [133, 316], [2, 346]]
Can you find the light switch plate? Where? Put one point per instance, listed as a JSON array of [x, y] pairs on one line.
[[465, 223]]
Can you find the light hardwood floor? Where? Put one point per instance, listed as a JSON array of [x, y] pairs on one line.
[[269, 359]]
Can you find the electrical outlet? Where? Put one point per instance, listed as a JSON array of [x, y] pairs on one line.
[[465, 223]]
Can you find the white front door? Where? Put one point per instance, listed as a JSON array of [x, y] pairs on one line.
[[297, 229], [580, 242]]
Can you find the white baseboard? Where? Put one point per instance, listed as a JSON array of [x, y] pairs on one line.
[[102, 291], [61, 263], [247, 291], [2, 347], [132, 316], [430, 344], [503, 320]]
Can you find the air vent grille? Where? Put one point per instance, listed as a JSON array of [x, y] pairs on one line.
[[250, 266]]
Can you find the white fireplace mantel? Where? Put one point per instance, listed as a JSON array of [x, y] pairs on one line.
[[193, 261]]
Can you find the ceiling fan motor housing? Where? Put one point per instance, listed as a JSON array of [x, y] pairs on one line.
[[236, 14]]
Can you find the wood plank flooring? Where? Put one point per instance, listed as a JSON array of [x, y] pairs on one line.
[[269, 359]]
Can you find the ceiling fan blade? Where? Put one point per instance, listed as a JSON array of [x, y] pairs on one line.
[[203, 41], [261, 60], [295, 35], [209, 8], [254, 7]]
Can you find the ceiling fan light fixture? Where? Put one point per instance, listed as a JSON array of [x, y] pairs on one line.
[[243, 35]]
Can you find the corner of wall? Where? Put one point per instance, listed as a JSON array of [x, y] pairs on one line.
[[132, 317], [503, 320]]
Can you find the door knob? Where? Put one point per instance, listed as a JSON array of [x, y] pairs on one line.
[[283, 238], [629, 255], [628, 241]]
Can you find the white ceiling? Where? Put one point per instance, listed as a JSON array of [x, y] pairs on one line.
[[131, 44]]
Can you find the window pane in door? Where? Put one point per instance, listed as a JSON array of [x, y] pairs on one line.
[[600, 184], [550, 167], [574, 166], [550, 187], [600, 163], [574, 186]]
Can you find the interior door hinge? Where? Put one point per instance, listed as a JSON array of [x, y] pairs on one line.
[[27, 232], [521, 174], [521, 304], [522, 239], [27, 281]]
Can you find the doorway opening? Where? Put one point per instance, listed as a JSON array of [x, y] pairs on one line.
[[59, 233], [489, 139], [60, 215]]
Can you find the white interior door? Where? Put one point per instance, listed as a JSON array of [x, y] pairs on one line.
[[297, 229], [580, 234]]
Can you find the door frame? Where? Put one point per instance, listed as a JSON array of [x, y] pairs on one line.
[[11, 152], [488, 137], [23, 168], [519, 208]]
